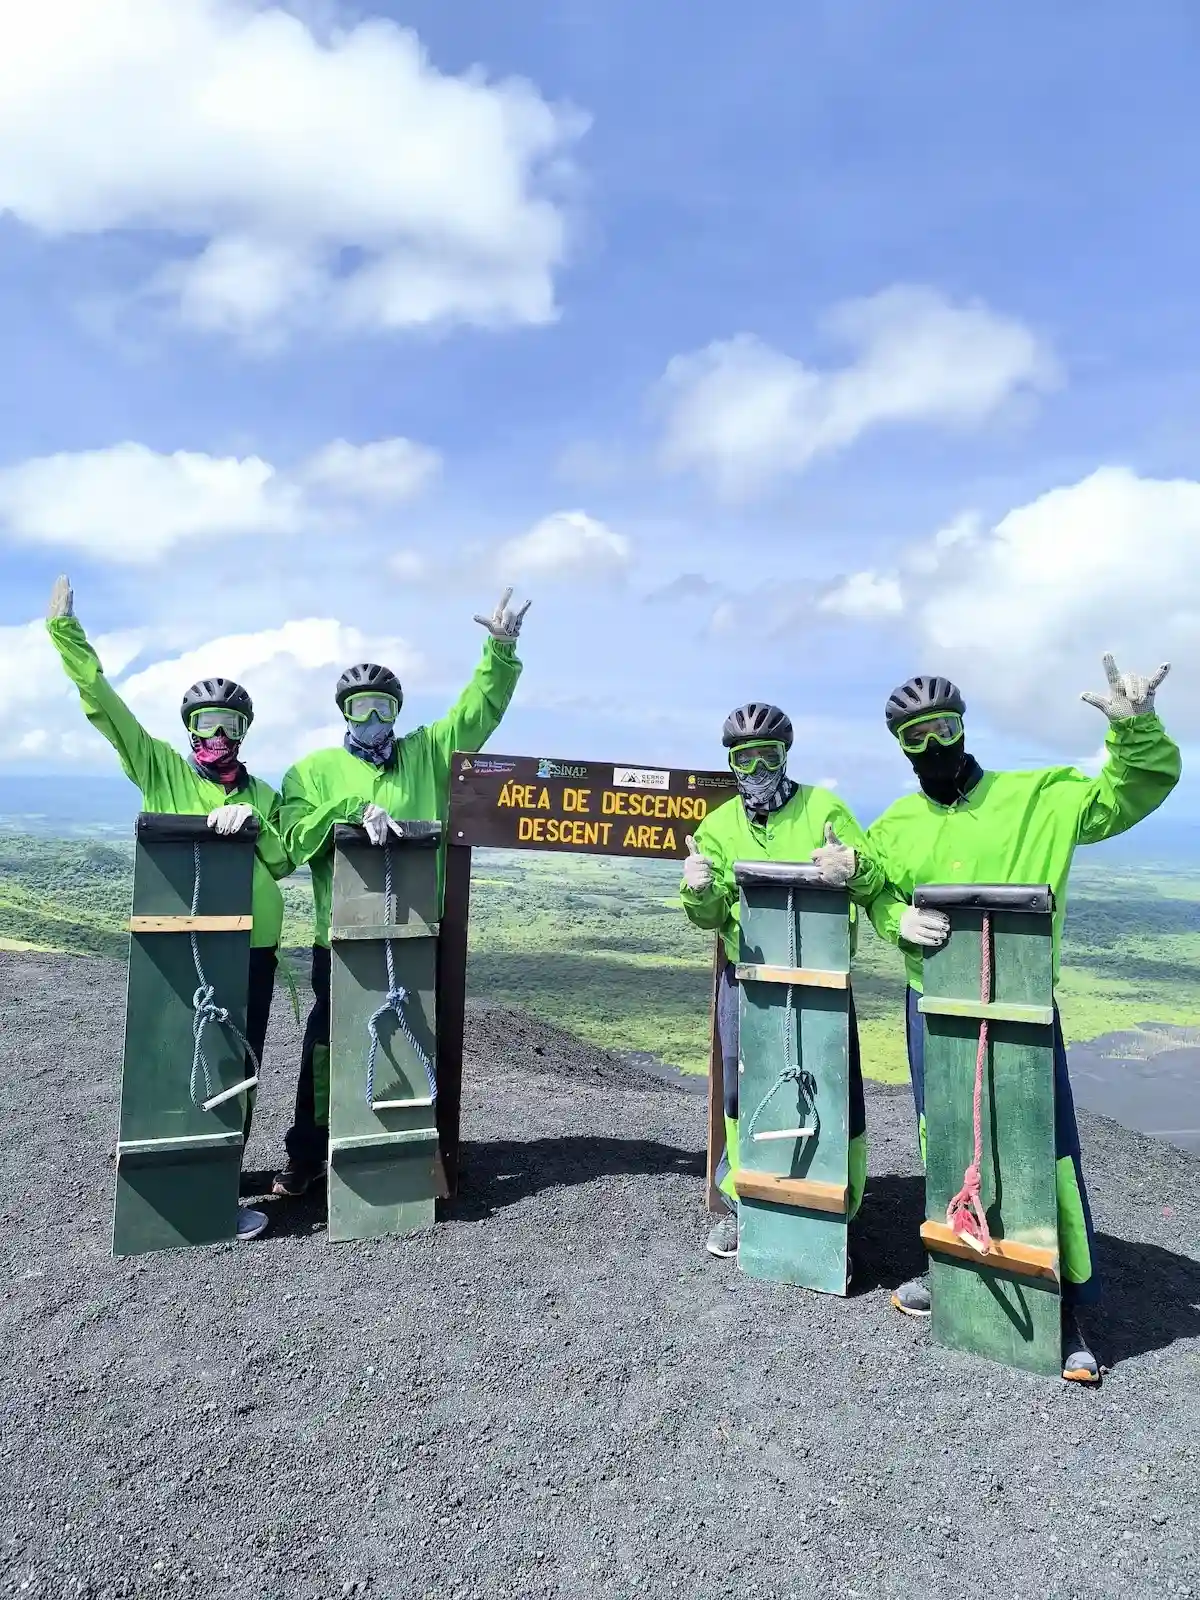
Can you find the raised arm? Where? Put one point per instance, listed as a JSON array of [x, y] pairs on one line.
[[103, 707], [1143, 763], [476, 714]]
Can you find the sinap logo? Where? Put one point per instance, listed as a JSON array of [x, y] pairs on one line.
[[559, 769]]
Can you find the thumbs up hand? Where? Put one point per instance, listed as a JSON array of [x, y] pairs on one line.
[[697, 869], [836, 862]]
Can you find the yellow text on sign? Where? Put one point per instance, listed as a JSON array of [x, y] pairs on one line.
[[562, 830]]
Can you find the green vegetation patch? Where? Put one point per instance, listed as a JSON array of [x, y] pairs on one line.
[[601, 946]]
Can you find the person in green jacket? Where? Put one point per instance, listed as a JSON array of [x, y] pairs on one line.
[[771, 818], [210, 781], [375, 779], [965, 825]]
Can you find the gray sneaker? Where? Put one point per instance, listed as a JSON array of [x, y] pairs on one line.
[[913, 1298], [251, 1223], [1079, 1364], [722, 1238]]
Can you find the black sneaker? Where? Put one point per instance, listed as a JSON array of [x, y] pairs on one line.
[[297, 1178]]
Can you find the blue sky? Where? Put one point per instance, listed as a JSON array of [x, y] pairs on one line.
[[1004, 201]]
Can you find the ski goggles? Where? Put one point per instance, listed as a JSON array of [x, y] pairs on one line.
[[915, 736], [212, 720], [360, 707], [747, 759]]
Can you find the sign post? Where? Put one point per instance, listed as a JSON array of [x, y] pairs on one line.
[[570, 807]]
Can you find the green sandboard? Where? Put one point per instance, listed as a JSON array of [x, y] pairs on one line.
[[383, 1151], [1005, 1315], [793, 1239], [178, 1165]]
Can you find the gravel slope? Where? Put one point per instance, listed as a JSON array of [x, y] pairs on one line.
[[556, 1393]]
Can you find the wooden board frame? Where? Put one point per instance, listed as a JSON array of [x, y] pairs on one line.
[[794, 1010], [1005, 1304], [178, 1163], [384, 1168]]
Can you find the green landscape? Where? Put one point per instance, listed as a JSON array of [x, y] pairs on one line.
[[600, 946]]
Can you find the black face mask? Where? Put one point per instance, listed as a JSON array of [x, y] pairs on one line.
[[945, 772]]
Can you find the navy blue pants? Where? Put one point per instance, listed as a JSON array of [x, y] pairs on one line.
[[1074, 1210]]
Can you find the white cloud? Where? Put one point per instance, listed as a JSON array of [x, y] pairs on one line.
[[290, 672], [127, 503], [567, 544], [388, 470], [864, 594], [1020, 614], [744, 414], [332, 176]]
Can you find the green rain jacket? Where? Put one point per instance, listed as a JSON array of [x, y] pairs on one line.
[[332, 786], [790, 834], [168, 781], [1019, 827]]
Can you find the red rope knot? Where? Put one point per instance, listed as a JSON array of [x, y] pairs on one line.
[[965, 1213]]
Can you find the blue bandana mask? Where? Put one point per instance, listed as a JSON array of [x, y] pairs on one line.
[[373, 740]]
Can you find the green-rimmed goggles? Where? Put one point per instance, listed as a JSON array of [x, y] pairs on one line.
[[945, 728], [747, 759], [359, 707], [212, 720]]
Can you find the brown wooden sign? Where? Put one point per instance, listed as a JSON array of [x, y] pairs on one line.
[[585, 807]]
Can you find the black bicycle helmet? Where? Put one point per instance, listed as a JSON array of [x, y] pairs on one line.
[[756, 721], [919, 697], [363, 678], [212, 693]]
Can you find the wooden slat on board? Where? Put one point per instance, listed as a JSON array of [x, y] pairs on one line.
[[186, 924]]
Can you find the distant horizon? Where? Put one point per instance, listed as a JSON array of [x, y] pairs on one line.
[[82, 800]]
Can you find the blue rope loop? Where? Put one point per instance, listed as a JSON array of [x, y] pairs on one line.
[[792, 1072], [395, 999], [205, 1011]]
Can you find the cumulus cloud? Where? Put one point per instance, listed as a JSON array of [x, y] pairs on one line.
[[744, 414], [1020, 613], [567, 544], [387, 471], [128, 503], [308, 176], [290, 672]]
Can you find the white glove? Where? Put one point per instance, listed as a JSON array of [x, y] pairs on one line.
[[837, 861], [228, 819], [503, 622], [921, 926], [1130, 694], [697, 869], [378, 824], [62, 599]]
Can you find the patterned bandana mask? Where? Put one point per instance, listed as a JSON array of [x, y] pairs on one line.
[[373, 740], [764, 791], [217, 759]]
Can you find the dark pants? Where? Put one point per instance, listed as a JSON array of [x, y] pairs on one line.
[[728, 1027], [1074, 1209], [259, 993], [308, 1137]]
